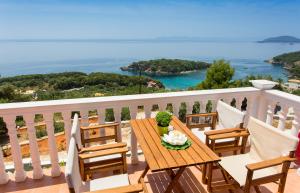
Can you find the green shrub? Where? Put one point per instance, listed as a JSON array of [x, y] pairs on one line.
[[125, 114], [59, 127], [163, 118]]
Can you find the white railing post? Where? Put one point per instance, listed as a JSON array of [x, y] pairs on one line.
[[101, 120], [55, 169], [68, 125], [34, 148], [101, 116], [189, 107], [269, 115], [117, 115], [147, 109], [134, 147], [295, 127], [84, 118], [3, 175], [281, 123], [20, 174], [176, 107]]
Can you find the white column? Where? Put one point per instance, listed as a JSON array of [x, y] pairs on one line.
[[147, 109], [262, 108], [67, 124], [55, 169], [295, 127], [101, 115], [20, 174], [84, 118], [34, 148], [101, 120], [176, 106], [281, 123], [117, 114], [134, 147], [85, 122], [3, 175], [269, 115], [189, 107], [239, 101]]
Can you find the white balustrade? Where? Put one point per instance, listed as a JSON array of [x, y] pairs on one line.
[[295, 127], [34, 149], [4, 178], [55, 169], [256, 106], [117, 115], [67, 125], [20, 174], [134, 147], [269, 118]]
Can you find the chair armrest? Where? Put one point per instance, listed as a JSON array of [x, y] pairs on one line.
[[228, 135], [269, 163], [214, 114], [98, 126], [222, 131], [102, 147], [123, 189], [103, 153]]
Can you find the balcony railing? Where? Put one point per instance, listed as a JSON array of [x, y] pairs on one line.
[[259, 103]]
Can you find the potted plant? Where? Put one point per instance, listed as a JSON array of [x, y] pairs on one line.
[[163, 120]]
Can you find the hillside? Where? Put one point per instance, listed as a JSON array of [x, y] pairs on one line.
[[72, 85], [281, 39], [290, 61], [165, 66]]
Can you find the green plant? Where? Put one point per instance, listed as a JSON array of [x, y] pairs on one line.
[[163, 118]]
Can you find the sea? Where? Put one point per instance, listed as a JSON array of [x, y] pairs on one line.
[[18, 57]]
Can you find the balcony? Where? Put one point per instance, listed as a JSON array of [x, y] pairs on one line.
[[47, 170]]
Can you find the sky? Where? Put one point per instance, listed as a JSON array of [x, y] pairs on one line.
[[114, 19]]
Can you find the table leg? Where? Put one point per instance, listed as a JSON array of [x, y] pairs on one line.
[[172, 175], [204, 170], [144, 173], [175, 177]]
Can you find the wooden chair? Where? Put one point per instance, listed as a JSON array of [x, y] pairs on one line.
[[99, 157], [225, 117], [112, 184], [271, 152]]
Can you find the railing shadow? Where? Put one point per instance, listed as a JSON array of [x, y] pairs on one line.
[[35, 185]]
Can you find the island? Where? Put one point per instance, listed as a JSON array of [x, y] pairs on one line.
[[281, 39], [165, 67]]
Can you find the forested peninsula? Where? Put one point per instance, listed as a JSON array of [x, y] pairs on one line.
[[72, 85], [165, 67]]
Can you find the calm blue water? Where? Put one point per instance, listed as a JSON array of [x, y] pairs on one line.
[[44, 57]]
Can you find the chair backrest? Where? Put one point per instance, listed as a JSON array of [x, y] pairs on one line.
[[75, 131], [112, 135], [268, 142], [229, 117], [72, 172]]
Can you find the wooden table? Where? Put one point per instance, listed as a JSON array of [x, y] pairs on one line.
[[159, 158]]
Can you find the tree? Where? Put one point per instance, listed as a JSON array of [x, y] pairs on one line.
[[218, 75]]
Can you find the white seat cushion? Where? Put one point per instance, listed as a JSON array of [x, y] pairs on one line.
[[106, 183], [236, 167], [96, 159]]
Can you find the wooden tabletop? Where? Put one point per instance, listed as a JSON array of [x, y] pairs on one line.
[[160, 158]]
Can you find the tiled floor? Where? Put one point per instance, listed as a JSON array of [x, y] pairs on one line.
[[156, 182]]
